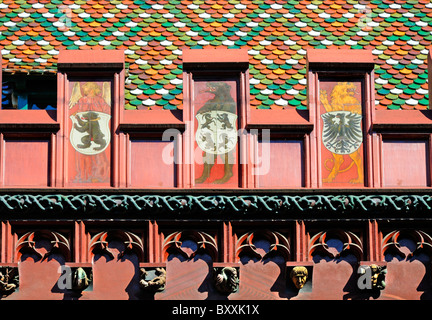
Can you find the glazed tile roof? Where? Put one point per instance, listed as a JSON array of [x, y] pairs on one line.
[[276, 33]]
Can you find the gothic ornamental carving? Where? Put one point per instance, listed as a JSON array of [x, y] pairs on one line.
[[279, 244], [351, 244], [423, 241], [59, 244], [132, 243], [226, 279], [215, 204], [205, 243]]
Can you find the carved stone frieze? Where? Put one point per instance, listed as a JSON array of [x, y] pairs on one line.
[[215, 204]]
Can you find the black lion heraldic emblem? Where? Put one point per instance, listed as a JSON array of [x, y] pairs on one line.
[[89, 123]]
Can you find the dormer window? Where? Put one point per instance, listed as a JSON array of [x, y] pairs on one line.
[[216, 94], [29, 92]]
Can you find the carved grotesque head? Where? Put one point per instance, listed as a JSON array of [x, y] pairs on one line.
[[299, 276]]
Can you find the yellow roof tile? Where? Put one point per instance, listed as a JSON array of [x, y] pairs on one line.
[[155, 34], [405, 71], [28, 52], [279, 71], [278, 52], [151, 71]]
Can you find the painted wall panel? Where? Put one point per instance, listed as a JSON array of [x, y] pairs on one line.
[[405, 163], [26, 162], [90, 133], [216, 121], [189, 278], [342, 162], [151, 164], [282, 164]]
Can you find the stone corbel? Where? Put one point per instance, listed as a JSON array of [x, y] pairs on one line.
[[372, 275], [152, 277], [299, 275], [226, 277], [81, 276], [9, 279]]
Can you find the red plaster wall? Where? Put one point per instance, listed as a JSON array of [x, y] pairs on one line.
[[21, 157], [283, 166], [148, 167], [406, 163], [188, 279]]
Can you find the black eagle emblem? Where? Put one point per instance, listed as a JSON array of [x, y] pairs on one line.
[[342, 133]]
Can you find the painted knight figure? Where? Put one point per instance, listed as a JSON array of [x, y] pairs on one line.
[[90, 135], [216, 133]]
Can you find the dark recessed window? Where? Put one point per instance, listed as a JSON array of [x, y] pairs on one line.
[[29, 92]]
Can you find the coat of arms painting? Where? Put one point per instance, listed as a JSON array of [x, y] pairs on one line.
[[342, 134], [90, 114], [216, 135]]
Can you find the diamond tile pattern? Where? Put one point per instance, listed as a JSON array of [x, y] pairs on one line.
[[276, 33]]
